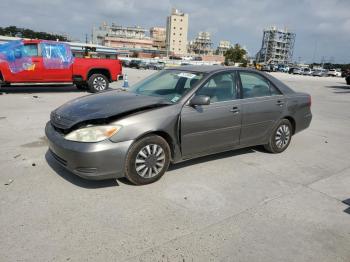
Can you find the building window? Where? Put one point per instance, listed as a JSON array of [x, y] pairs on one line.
[[180, 20], [174, 27], [180, 28], [174, 33]]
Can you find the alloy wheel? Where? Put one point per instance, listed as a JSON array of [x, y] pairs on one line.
[[99, 83], [282, 136], [150, 161]]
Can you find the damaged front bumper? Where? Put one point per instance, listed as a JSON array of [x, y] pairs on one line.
[[95, 161]]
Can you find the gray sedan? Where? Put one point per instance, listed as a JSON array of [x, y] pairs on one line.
[[172, 116]]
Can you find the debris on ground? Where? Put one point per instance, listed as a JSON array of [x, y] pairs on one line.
[[35, 96], [16, 156], [2, 117], [33, 164], [9, 182]]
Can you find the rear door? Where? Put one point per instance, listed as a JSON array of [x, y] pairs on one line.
[[34, 72], [262, 106], [215, 127]]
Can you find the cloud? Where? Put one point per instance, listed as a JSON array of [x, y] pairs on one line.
[[322, 24]]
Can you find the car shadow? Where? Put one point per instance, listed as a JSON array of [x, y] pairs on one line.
[[76, 180], [213, 157], [13, 89], [340, 89]]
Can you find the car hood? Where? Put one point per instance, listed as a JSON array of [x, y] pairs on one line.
[[102, 106]]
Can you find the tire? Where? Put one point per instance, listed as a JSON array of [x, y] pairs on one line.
[[81, 86], [347, 80], [145, 151], [98, 83], [280, 137]]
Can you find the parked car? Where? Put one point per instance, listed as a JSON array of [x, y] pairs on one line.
[[172, 116], [334, 72], [306, 71], [139, 64], [345, 72], [126, 63], [41, 61], [297, 71], [347, 79], [320, 72], [266, 68], [156, 65]]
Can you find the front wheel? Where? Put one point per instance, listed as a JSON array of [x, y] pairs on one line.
[[98, 83], [147, 160], [280, 137]]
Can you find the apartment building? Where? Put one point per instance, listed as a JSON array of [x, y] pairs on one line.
[[177, 30]]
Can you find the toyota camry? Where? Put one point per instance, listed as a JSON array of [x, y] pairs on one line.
[[172, 116]]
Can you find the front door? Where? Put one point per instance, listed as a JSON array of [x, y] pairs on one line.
[[215, 127], [56, 62], [262, 106]]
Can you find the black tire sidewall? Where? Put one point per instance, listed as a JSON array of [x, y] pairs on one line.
[[91, 85], [130, 170], [272, 143]]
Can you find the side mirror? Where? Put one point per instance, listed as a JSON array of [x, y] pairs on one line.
[[200, 100]]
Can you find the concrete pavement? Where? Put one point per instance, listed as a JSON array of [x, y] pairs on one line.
[[244, 205]]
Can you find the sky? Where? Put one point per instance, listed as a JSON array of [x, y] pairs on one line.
[[322, 27]]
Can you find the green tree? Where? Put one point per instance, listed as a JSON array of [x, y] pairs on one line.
[[28, 33], [236, 54]]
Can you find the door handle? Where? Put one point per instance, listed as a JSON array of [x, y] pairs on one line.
[[280, 103], [235, 110]]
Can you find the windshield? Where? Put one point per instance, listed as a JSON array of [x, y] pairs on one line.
[[168, 84]]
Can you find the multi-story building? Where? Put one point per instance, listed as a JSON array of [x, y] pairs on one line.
[[277, 46], [202, 45], [177, 29], [158, 35], [223, 47], [122, 37]]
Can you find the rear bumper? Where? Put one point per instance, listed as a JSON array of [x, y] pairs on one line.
[[303, 123], [94, 161]]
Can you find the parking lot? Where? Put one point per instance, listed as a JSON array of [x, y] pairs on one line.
[[245, 205]]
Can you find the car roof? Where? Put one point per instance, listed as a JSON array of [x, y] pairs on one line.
[[213, 69], [208, 68]]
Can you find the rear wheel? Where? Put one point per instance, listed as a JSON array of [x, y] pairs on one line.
[[147, 160], [280, 137], [98, 83]]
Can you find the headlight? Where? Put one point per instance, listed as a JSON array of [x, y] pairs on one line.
[[93, 133]]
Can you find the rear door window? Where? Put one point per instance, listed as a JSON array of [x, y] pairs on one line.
[[254, 85]]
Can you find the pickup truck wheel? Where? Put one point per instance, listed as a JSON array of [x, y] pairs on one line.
[[98, 83], [280, 137]]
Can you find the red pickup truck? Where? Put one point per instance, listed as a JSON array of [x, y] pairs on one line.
[[53, 62]]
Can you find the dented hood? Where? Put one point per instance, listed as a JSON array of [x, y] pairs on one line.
[[105, 105]]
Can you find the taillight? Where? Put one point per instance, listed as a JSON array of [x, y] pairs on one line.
[[309, 101]]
